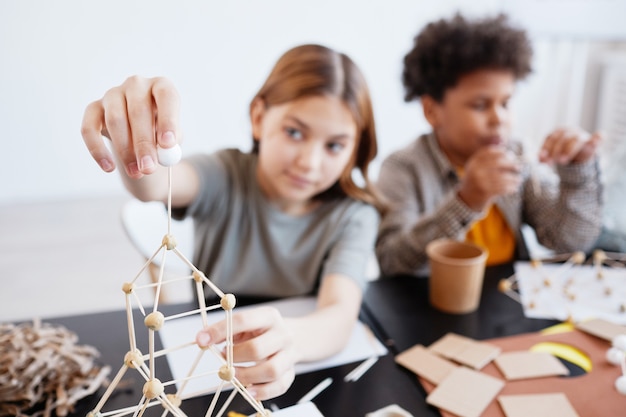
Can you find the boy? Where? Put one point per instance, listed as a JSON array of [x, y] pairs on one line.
[[466, 179]]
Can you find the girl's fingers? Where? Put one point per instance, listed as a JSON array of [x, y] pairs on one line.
[[91, 131], [141, 120], [268, 379], [117, 126], [134, 116], [167, 102], [251, 321]]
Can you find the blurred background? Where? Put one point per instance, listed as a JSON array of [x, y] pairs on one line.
[[62, 247]]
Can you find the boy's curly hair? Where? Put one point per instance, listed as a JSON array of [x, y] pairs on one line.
[[447, 49]]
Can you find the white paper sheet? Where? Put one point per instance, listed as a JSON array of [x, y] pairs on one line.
[[299, 410], [181, 331], [556, 291]]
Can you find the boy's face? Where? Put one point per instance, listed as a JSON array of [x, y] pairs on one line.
[[472, 114]]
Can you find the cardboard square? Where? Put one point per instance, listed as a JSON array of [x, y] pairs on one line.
[[465, 392], [525, 364], [478, 354], [450, 345], [537, 405], [425, 364], [465, 350], [601, 328]]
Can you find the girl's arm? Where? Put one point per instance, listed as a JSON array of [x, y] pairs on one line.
[[135, 117], [276, 344], [327, 330]]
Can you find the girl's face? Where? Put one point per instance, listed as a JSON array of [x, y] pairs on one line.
[[474, 113], [304, 146]]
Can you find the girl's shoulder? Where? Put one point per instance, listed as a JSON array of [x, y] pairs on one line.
[[347, 209]]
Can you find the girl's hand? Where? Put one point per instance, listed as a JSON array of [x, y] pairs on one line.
[[565, 146], [135, 116], [260, 336]]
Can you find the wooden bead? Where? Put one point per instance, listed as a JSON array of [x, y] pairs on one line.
[[175, 399], [228, 301], [154, 320], [198, 276], [152, 388], [599, 255], [226, 373], [169, 242], [133, 359], [128, 287], [578, 257]]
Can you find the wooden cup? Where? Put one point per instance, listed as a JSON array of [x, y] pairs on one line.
[[456, 275]]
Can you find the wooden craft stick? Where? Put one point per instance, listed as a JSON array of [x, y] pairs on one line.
[[215, 398], [315, 391], [358, 371]]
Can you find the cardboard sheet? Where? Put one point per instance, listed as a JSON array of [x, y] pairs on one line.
[[537, 405], [465, 392], [465, 351], [425, 364], [525, 364], [592, 394]]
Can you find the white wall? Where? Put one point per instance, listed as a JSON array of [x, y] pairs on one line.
[[57, 56]]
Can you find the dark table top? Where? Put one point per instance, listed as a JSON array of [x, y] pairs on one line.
[[396, 308], [402, 316], [385, 383]]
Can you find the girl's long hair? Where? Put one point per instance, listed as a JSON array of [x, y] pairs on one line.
[[315, 70]]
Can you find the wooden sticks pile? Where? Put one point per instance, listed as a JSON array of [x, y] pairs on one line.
[[43, 369]]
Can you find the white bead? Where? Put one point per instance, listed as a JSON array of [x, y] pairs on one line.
[[169, 156], [619, 341], [615, 356], [620, 385]]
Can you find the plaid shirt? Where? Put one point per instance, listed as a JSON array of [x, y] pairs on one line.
[[563, 206]]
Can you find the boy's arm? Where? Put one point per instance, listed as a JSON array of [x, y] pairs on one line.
[[418, 214], [567, 215]]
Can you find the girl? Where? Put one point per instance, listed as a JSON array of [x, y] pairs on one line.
[[286, 219]]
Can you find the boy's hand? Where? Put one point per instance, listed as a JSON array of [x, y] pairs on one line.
[[492, 171], [261, 337], [566, 146], [135, 116]]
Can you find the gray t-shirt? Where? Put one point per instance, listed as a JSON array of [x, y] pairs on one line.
[[246, 246]]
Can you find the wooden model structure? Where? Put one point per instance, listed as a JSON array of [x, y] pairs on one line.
[[572, 288], [144, 363]]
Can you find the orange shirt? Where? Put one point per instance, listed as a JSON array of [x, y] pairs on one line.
[[493, 233]]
